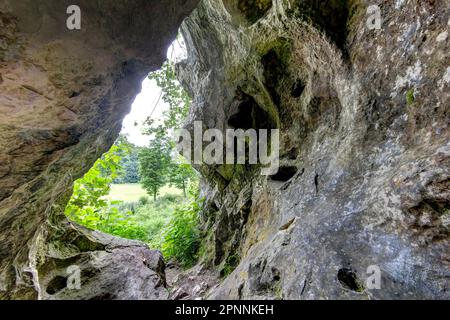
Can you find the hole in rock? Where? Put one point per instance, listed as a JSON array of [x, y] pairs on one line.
[[276, 274], [316, 182], [247, 12], [214, 206], [292, 153], [297, 89], [141, 188], [284, 173], [57, 284], [349, 280], [74, 94], [328, 16], [240, 289], [249, 115], [243, 119], [253, 10], [275, 63]]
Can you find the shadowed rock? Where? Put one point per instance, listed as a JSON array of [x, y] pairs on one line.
[[373, 169], [63, 96]]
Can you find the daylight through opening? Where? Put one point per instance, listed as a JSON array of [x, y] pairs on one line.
[[141, 188]]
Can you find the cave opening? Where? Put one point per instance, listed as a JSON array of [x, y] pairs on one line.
[[311, 68], [349, 280], [284, 174], [248, 12], [57, 284], [141, 188], [248, 114]]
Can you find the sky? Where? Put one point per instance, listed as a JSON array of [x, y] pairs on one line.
[[145, 101]]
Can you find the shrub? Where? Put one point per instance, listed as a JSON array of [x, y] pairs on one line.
[[124, 224], [154, 215], [143, 200], [153, 219], [229, 266], [127, 207], [169, 198], [180, 237], [410, 97]]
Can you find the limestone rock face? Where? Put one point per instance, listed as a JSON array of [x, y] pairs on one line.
[[83, 264], [363, 113], [63, 96], [363, 184]]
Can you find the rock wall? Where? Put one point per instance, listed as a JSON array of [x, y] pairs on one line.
[[363, 114], [63, 96], [364, 176]]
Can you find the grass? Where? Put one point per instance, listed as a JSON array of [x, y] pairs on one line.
[[410, 97], [169, 224], [153, 216], [131, 192]]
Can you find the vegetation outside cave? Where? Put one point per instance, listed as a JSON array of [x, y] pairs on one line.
[[147, 192]]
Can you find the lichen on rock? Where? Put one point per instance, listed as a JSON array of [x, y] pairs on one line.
[[363, 169], [64, 94], [364, 155]]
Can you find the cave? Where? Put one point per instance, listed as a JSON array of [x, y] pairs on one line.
[[284, 173], [247, 114], [369, 181], [349, 280], [248, 11]]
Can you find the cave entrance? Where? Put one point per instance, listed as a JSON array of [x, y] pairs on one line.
[[141, 189]]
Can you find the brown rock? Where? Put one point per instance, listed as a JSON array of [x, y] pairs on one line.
[[63, 95]]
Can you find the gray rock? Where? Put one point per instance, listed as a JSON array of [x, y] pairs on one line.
[[63, 96], [363, 115], [364, 174], [107, 268]]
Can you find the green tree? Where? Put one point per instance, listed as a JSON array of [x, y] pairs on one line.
[[153, 164], [129, 162], [130, 170], [181, 236], [88, 192], [174, 95], [180, 174], [88, 205]]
